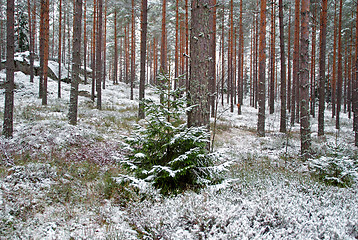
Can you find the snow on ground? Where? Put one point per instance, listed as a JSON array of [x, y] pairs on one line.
[[53, 184]]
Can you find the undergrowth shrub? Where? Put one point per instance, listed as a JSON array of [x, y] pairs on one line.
[[165, 151], [336, 168]]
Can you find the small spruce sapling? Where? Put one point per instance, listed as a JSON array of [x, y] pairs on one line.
[[165, 151]]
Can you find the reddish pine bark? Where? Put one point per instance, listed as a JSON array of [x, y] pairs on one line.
[[334, 79], [262, 69], [85, 41], [132, 51], [272, 61], [46, 49], [340, 72], [322, 66], [289, 103], [94, 29], [283, 70], [10, 68]]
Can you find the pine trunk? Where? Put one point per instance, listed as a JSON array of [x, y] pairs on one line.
[[200, 53], [355, 89], [262, 69], [289, 85], [30, 42], [143, 48], [99, 69], [283, 70], [85, 41], [313, 66], [295, 71], [115, 67], [305, 130], [10, 68], [76, 58], [272, 60], [334, 79], [46, 50], [59, 50], [132, 52], [339, 72]]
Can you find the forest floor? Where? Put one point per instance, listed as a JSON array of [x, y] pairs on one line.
[[57, 181]]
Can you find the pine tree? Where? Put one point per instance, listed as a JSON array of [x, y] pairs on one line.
[[10, 68], [143, 48], [305, 131], [200, 64], [262, 69], [283, 69], [322, 68], [75, 79], [99, 74]]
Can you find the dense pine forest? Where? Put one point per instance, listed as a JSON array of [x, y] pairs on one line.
[[179, 119]]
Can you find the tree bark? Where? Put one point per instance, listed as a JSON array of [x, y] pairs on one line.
[[262, 69], [59, 50], [272, 60], [99, 69], [200, 53], [240, 81], [334, 79], [76, 56], [313, 66], [355, 89], [143, 49], [163, 48], [46, 49], [104, 74], [322, 68], [115, 67], [339, 73], [305, 130], [289, 63], [132, 52], [10, 67], [295, 72], [85, 41], [31, 43], [213, 62], [94, 29], [283, 70]]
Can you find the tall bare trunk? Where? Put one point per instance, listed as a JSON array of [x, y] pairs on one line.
[[10, 67], [322, 68], [132, 51], [283, 70], [59, 50], [46, 49], [262, 69], [305, 130], [200, 64], [76, 57], [143, 49], [99, 74], [295, 72], [339, 73]]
